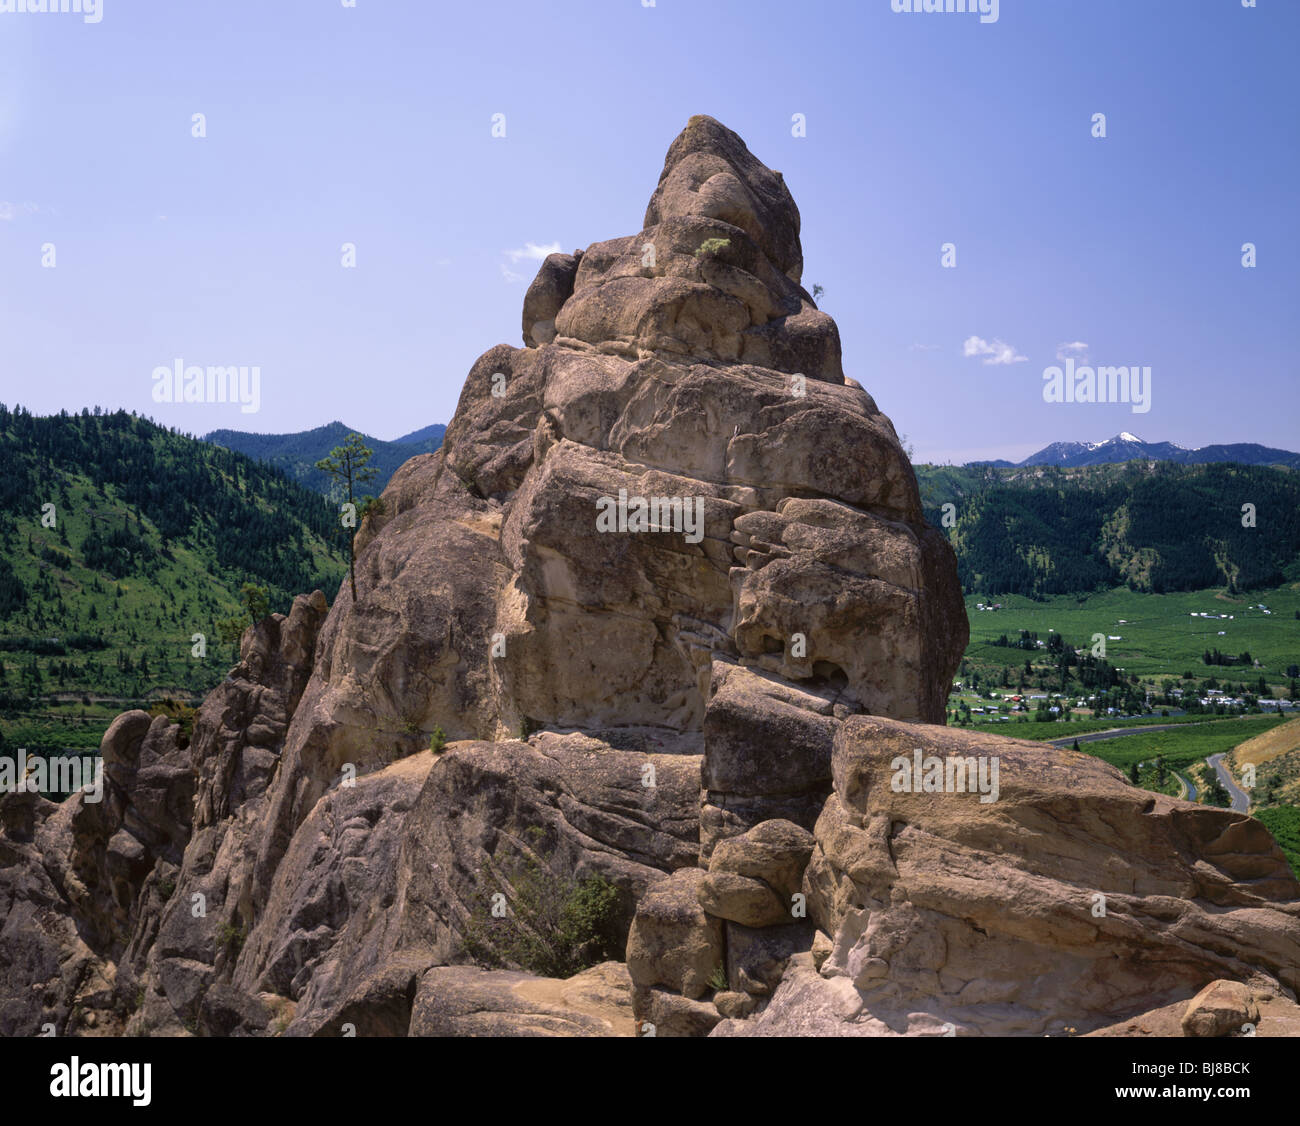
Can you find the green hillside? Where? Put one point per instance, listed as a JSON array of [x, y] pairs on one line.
[[123, 540], [1152, 527], [1283, 821], [297, 454]]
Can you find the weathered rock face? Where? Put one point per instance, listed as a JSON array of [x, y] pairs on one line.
[[110, 884], [689, 707], [688, 363], [1073, 900], [466, 1001], [571, 801]]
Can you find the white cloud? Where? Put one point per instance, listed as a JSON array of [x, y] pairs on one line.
[[533, 251], [1074, 349], [994, 353], [529, 252]]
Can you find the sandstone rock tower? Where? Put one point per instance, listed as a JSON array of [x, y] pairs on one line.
[[703, 713]]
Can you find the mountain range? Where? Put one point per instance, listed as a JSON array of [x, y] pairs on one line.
[[296, 454], [1129, 447]]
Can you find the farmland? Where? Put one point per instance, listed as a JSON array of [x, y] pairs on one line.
[[1157, 635]]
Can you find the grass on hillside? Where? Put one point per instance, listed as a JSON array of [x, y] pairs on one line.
[[145, 626], [1283, 821]]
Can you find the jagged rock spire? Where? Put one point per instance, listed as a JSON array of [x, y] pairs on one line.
[[713, 274], [710, 172]]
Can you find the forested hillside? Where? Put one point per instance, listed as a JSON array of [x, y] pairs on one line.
[[122, 541], [1152, 527]]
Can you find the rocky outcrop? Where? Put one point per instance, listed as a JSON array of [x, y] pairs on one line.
[[113, 883], [636, 627], [1070, 900]]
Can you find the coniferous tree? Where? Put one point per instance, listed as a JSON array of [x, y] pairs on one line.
[[349, 466]]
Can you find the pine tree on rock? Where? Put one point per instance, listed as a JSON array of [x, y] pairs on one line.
[[349, 465]]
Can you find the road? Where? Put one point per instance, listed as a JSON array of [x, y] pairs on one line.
[[1240, 799], [1189, 787], [1117, 733]]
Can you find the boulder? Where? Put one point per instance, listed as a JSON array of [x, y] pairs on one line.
[[1222, 1008], [550, 289], [734, 1006], [741, 899], [757, 957], [468, 1001], [672, 941], [661, 1012], [764, 738], [776, 852]]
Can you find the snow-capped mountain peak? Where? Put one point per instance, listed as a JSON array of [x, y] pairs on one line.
[[1125, 447]]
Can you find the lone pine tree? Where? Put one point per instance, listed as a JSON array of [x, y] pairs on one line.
[[349, 465]]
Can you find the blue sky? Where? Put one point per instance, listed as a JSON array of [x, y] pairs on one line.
[[372, 125]]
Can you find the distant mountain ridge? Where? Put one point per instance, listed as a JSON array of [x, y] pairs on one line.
[[296, 454], [432, 433], [1129, 447], [1150, 526]]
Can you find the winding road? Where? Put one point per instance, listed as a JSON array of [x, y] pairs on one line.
[[1189, 787], [1240, 799]]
